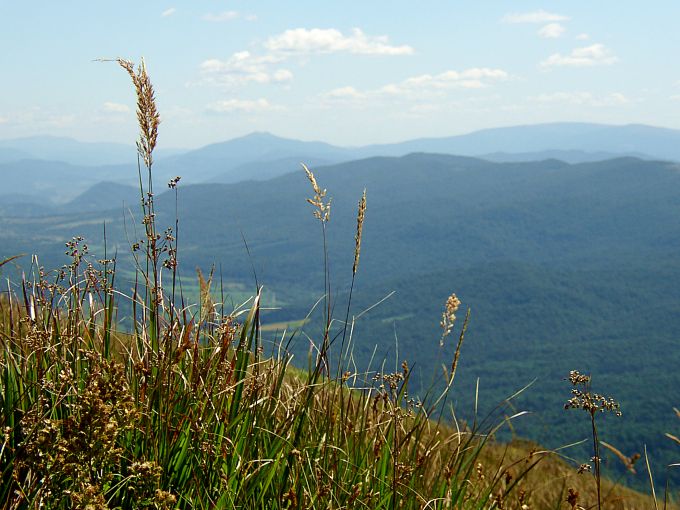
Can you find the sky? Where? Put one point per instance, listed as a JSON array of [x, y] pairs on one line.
[[348, 73]]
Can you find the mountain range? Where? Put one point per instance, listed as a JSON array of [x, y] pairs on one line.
[[66, 168]]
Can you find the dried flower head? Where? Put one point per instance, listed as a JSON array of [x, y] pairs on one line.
[[322, 210], [147, 113], [576, 378], [586, 400], [449, 316], [572, 498], [583, 468]]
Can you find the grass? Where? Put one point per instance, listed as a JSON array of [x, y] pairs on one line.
[[182, 410]]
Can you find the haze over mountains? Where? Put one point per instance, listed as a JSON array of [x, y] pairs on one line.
[[62, 168]]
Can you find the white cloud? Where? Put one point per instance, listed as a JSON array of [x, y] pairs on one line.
[[617, 97], [317, 40], [551, 31], [221, 16], [539, 16], [243, 67], [60, 121], [346, 97], [168, 12], [582, 37], [418, 88], [110, 107], [590, 56], [473, 78], [282, 75], [344, 93], [250, 17], [583, 98], [38, 118], [242, 105]]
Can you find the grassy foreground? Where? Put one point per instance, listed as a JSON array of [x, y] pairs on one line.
[[185, 411]]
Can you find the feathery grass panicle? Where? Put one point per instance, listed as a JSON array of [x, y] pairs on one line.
[[360, 226], [147, 113], [449, 317], [322, 210]]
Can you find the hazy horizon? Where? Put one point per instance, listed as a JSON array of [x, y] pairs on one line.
[[350, 74], [312, 139]]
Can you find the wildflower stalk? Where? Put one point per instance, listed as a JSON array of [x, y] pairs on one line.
[[361, 213], [592, 403]]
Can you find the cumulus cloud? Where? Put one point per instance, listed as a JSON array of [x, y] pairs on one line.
[[221, 16], [36, 117], [582, 37], [539, 16], [344, 93], [243, 67], [589, 56], [282, 75], [346, 97], [168, 12], [551, 31], [474, 78], [242, 105], [318, 40], [110, 107], [418, 88], [583, 98]]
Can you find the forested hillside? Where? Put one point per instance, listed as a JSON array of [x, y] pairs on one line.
[[564, 267]]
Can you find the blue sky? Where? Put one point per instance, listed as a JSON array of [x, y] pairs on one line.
[[350, 73]]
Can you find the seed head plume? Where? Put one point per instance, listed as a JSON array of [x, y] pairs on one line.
[[147, 113], [360, 227], [449, 316], [322, 210]]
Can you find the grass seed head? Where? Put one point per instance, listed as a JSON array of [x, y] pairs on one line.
[[449, 316], [322, 210], [360, 226], [147, 112]]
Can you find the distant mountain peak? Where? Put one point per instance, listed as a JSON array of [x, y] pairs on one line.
[[261, 135]]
